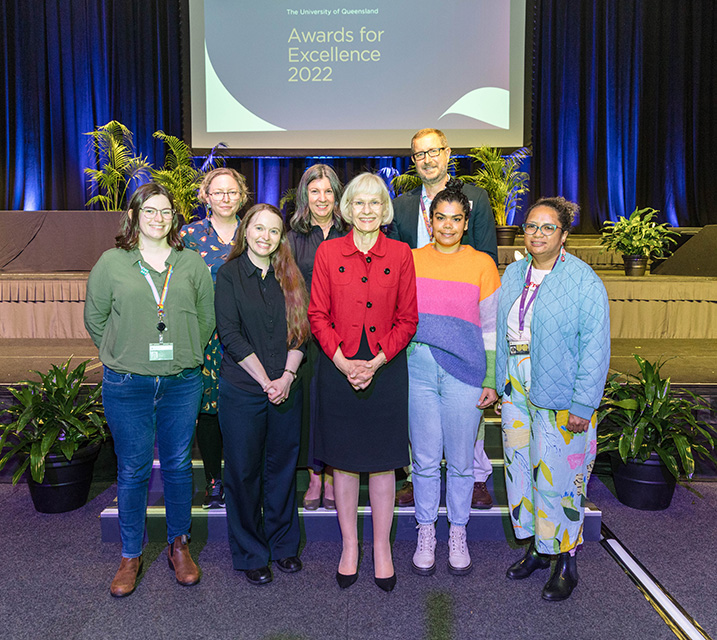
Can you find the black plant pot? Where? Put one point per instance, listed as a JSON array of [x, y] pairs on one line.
[[505, 235], [67, 482], [648, 485]]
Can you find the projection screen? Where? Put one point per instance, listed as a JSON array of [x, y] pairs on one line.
[[312, 76]]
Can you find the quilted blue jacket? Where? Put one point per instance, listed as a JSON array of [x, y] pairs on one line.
[[570, 344]]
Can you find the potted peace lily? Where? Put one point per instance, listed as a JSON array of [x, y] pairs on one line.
[[56, 431], [652, 434], [637, 238]]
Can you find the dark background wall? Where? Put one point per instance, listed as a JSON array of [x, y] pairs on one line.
[[623, 113]]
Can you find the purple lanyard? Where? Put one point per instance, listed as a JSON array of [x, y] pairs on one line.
[[523, 308]]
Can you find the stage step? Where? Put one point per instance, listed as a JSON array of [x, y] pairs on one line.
[[322, 525]]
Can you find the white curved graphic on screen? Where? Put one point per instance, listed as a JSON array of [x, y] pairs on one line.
[[489, 104], [224, 111]]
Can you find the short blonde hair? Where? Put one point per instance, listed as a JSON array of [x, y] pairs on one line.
[[370, 184]]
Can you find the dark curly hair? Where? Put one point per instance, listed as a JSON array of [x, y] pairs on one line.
[[565, 209], [453, 192]]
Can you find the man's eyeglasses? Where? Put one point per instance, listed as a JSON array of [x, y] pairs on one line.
[[530, 228], [431, 153]]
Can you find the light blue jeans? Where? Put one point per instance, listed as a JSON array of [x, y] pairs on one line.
[[443, 421], [138, 410]]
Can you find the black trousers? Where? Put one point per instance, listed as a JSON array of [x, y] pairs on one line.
[[261, 450]]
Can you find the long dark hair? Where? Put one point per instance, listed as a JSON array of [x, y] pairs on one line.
[[129, 229], [296, 299], [301, 220]]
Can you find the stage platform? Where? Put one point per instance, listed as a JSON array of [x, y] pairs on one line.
[[50, 305]]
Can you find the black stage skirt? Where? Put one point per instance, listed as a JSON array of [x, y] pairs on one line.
[[362, 430]]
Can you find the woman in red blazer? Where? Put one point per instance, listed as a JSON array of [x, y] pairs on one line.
[[363, 313]]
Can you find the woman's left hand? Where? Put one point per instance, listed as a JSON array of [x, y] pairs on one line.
[[487, 397], [278, 390], [576, 424]]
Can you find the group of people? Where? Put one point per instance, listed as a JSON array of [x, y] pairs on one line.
[[385, 328]]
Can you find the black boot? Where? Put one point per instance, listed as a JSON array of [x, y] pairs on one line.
[[531, 561], [563, 579]]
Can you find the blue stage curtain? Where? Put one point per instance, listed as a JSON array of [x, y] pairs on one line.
[[623, 108], [625, 95], [69, 66]]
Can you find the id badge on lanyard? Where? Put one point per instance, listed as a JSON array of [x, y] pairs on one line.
[[160, 350]]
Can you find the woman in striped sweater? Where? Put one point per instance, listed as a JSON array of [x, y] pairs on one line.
[[451, 368]]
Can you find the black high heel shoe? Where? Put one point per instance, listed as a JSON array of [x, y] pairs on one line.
[[387, 584], [344, 580]]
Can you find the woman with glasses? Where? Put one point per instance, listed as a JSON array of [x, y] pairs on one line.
[[317, 218], [224, 193], [363, 314], [150, 311], [552, 357]]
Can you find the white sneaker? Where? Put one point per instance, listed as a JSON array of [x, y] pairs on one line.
[[424, 560], [459, 560]]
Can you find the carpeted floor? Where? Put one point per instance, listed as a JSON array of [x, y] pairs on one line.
[[56, 574]]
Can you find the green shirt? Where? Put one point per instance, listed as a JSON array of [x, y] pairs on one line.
[[121, 312]]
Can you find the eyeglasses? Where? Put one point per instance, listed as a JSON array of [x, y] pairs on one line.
[[373, 204], [419, 155], [151, 213], [530, 228], [220, 195]]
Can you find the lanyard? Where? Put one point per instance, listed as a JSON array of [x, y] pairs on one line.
[[523, 308], [159, 298], [426, 218]]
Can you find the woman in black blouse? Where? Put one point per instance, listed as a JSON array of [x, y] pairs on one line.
[[261, 306], [317, 218]]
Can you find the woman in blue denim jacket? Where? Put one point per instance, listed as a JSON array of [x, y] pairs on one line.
[[552, 357]]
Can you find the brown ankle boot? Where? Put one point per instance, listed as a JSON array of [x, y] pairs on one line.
[[186, 570], [124, 581]]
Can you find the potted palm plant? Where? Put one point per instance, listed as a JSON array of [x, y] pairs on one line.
[[118, 165], [56, 432], [637, 238], [502, 179], [652, 434], [180, 176]]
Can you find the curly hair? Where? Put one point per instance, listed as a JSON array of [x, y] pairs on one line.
[[296, 298], [565, 209], [203, 194], [453, 192], [128, 237], [301, 220]]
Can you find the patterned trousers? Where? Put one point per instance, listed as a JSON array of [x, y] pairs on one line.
[[547, 467]]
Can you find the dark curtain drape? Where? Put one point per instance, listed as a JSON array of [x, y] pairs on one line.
[[623, 108], [625, 98], [69, 66]]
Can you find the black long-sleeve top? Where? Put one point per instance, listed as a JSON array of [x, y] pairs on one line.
[[305, 245], [251, 318]]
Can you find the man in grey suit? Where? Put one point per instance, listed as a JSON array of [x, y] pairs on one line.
[[431, 153], [411, 224]]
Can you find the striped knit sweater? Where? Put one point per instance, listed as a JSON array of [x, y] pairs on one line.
[[457, 308]]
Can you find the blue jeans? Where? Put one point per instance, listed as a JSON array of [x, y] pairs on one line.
[[138, 410], [443, 418]]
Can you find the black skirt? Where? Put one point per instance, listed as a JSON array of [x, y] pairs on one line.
[[362, 430]]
